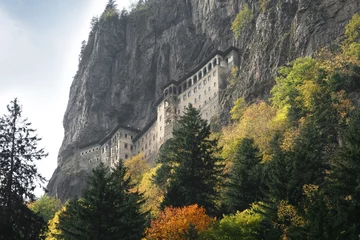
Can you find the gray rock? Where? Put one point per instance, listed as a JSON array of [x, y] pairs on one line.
[[127, 61]]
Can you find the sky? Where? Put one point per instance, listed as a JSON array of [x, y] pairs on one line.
[[40, 43]]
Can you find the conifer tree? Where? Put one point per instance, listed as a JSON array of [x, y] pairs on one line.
[[245, 177], [194, 170], [345, 180], [108, 210], [18, 175]]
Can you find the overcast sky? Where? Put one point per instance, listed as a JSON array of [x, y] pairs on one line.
[[39, 47]]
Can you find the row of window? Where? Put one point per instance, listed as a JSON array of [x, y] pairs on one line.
[[89, 151]]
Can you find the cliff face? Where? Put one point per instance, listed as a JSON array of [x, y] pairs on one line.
[[127, 61]]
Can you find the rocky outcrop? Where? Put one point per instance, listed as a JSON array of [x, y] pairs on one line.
[[128, 60]]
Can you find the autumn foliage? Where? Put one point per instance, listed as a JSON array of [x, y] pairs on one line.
[[175, 223]]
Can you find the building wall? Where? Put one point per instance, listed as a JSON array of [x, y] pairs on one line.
[[200, 89]]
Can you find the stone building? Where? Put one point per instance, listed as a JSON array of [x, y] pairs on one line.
[[200, 87]]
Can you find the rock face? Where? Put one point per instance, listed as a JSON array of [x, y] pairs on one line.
[[129, 59]]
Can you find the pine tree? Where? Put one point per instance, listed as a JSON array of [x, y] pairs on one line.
[[345, 181], [190, 156], [245, 177], [108, 209], [18, 176]]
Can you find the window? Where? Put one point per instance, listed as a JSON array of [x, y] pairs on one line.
[[199, 86], [209, 78], [126, 156], [160, 118], [184, 108], [200, 106], [199, 97], [131, 147], [166, 103], [184, 96], [189, 94], [179, 111], [131, 136], [195, 90], [209, 89], [205, 92], [205, 101], [125, 135], [195, 100], [214, 93], [126, 146], [214, 73], [160, 128], [214, 84], [204, 81]]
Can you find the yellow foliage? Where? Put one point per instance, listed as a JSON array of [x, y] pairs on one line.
[[137, 166], [287, 216], [243, 18], [259, 121], [233, 77], [289, 138], [52, 225], [343, 106], [237, 111], [352, 29], [307, 92], [173, 223], [152, 193]]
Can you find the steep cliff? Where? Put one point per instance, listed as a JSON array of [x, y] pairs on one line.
[[128, 60]]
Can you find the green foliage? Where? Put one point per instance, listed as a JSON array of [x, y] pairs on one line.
[[192, 169], [245, 177], [352, 30], [345, 179], [238, 110], [242, 20], [108, 210], [286, 93], [46, 207], [242, 225], [18, 176], [288, 171], [263, 4], [110, 11]]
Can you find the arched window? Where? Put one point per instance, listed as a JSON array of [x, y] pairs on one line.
[[215, 62], [210, 66], [166, 103], [166, 92]]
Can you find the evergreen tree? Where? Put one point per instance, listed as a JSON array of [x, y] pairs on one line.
[[195, 171], [18, 176], [245, 177], [288, 171], [108, 209], [345, 181]]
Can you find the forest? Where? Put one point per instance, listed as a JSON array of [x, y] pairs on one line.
[[283, 168]]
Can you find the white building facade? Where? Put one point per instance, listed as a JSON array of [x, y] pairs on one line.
[[200, 87]]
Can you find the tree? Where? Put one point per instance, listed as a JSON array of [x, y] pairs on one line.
[[18, 175], [108, 209], [242, 225], [242, 20], [345, 179], [179, 223], [245, 177], [195, 171], [46, 207], [137, 166]]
